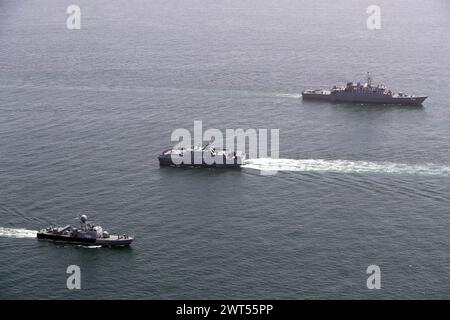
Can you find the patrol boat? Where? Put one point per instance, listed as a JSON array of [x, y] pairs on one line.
[[201, 156], [363, 93], [87, 234]]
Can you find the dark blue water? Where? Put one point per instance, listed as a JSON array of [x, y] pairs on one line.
[[84, 113]]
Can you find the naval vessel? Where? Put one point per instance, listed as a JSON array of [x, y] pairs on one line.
[[205, 155], [88, 234], [363, 93]]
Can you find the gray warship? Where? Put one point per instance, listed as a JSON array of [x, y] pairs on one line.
[[363, 93], [205, 155], [88, 234]]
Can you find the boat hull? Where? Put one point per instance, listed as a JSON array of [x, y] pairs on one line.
[[166, 161], [114, 240], [361, 98]]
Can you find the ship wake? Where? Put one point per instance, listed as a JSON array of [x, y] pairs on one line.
[[345, 166], [17, 233]]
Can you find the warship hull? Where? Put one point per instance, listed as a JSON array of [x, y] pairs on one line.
[[364, 98]]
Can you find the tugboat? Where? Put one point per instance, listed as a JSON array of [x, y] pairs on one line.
[[202, 156], [363, 93], [87, 234]]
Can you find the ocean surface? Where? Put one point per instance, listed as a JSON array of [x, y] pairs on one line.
[[84, 114]]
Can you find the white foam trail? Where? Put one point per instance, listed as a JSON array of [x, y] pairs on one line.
[[17, 233], [289, 95], [345, 166]]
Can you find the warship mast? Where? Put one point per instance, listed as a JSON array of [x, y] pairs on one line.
[[369, 80]]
